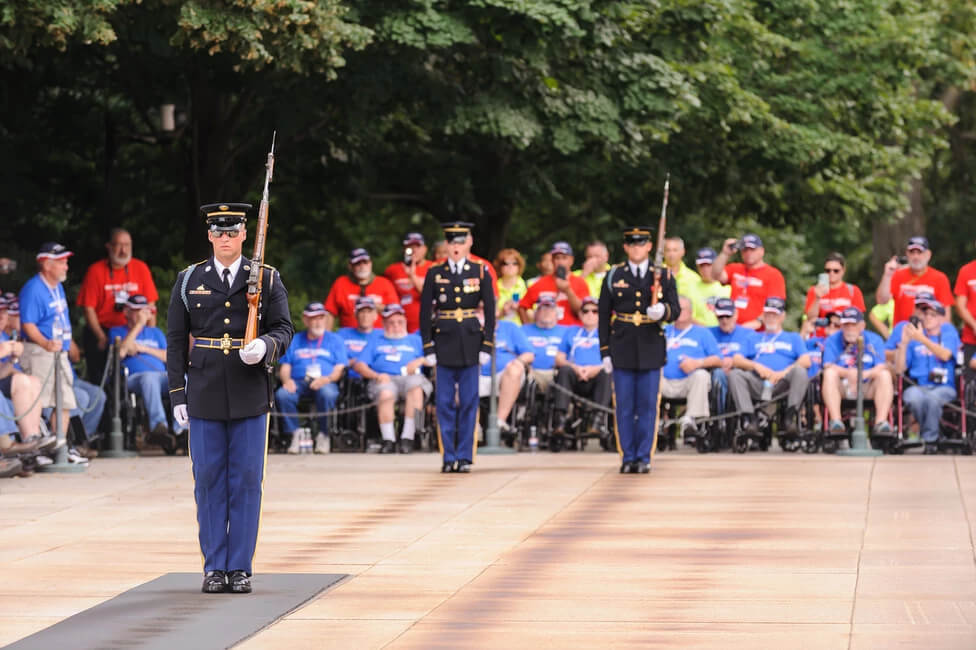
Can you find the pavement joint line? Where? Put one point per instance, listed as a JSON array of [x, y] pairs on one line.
[[860, 552], [965, 510], [495, 562]]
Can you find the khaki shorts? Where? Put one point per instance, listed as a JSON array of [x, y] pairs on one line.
[[38, 362], [399, 385], [543, 378]]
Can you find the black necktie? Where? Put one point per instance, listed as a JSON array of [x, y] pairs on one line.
[[227, 279]]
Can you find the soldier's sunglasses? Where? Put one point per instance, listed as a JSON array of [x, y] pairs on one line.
[[230, 234]]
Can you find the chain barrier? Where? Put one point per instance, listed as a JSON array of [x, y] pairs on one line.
[[101, 386], [322, 414]]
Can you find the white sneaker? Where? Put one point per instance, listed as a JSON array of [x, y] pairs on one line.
[[75, 457], [43, 460], [322, 444], [296, 442]]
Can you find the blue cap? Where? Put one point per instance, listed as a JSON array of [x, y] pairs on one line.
[[705, 256], [724, 307], [775, 305], [314, 309], [53, 251], [924, 298], [851, 315], [918, 243], [358, 255], [365, 302], [751, 241], [413, 238], [136, 301], [545, 301], [392, 309], [561, 248]]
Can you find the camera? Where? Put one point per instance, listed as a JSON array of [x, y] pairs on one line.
[[902, 260], [561, 272], [916, 321], [938, 375], [408, 256], [736, 246]]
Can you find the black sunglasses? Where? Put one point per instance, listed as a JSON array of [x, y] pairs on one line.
[[833, 270], [588, 311]]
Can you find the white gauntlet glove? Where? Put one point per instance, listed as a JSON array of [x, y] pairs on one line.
[[179, 414], [431, 360], [253, 352], [656, 311], [484, 358], [607, 365]]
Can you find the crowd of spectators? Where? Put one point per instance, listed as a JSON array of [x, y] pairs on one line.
[[729, 339]]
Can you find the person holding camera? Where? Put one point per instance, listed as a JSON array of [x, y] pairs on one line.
[[107, 285], [905, 277], [927, 351], [831, 294], [565, 289], [752, 281], [408, 275]]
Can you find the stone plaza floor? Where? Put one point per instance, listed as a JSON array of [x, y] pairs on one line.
[[535, 550]]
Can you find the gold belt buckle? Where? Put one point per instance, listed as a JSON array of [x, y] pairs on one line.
[[225, 344], [460, 315]]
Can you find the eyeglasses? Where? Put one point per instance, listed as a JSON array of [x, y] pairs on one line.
[[230, 234], [588, 311], [509, 263], [830, 270]]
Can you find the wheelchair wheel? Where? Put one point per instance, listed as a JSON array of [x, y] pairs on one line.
[[704, 443], [810, 444], [830, 446], [740, 444], [790, 445]]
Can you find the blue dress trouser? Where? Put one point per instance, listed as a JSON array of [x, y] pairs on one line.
[[325, 399], [456, 419], [228, 458], [636, 398]]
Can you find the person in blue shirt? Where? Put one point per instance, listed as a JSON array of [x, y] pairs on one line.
[[922, 300], [840, 372], [736, 347], [779, 367], [513, 355], [692, 353], [928, 354], [391, 362], [356, 338], [580, 368], [312, 366], [142, 350], [544, 335]]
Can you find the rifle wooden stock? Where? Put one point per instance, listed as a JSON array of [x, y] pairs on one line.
[[659, 253], [255, 277]]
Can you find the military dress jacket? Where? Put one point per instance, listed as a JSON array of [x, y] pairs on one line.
[[210, 377], [627, 336], [449, 324]]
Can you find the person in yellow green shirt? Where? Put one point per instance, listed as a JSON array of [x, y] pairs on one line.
[[707, 292], [596, 263], [881, 317], [509, 266]]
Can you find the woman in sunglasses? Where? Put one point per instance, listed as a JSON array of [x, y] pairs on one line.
[[509, 264], [831, 294]]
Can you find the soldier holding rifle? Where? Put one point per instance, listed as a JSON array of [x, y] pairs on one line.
[[236, 311]]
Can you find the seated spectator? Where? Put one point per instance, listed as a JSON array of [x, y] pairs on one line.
[[544, 266], [922, 300], [509, 264], [513, 355], [928, 354], [18, 392], [779, 367], [708, 291], [840, 372], [753, 281], [392, 362], [566, 290], [143, 353], [829, 325], [544, 335], [903, 283], [346, 290], [692, 353], [736, 346], [880, 318], [835, 295], [312, 366], [408, 276], [596, 263], [580, 368], [356, 338], [965, 291]]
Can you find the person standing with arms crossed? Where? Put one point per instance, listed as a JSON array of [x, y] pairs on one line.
[[632, 345], [223, 389]]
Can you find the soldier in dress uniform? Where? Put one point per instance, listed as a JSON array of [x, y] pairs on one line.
[[632, 345], [457, 342], [224, 390]]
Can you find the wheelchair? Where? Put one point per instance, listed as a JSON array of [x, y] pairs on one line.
[[347, 431], [710, 435], [958, 425]]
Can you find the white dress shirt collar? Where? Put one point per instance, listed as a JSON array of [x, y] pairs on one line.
[[639, 270], [234, 268]]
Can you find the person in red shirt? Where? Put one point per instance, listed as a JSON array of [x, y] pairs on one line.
[[346, 290], [566, 289], [752, 280], [965, 291], [107, 285], [903, 283], [408, 276], [835, 295]]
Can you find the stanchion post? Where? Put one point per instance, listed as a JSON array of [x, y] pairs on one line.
[[492, 433], [115, 438], [60, 464], [859, 437]]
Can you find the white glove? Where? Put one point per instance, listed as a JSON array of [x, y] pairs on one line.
[[656, 311], [484, 358], [253, 352], [607, 365], [431, 360], [179, 414]]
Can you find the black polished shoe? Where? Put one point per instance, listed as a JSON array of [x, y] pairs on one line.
[[447, 468], [238, 582], [641, 467], [387, 447], [627, 468], [791, 422], [406, 446], [464, 466], [214, 582]]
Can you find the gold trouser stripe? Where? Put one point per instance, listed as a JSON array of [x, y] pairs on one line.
[[616, 431], [437, 421], [474, 433], [189, 432], [264, 465], [657, 414]]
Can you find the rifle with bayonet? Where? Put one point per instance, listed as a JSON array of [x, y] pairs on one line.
[[659, 251], [255, 275]]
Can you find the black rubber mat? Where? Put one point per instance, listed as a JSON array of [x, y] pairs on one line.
[[170, 613]]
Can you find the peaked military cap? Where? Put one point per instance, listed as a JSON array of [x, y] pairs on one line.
[[225, 216], [637, 234], [456, 231]]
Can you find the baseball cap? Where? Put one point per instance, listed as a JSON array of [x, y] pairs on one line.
[[314, 309], [53, 250], [589, 300], [851, 315], [365, 302], [545, 301], [775, 305], [357, 255], [935, 306], [392, 309], [13, 307], [919, 243], [561, 248], [413, 238], [924, 298], [751, 241], [136, 301], [705, 256], [724, 307]]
